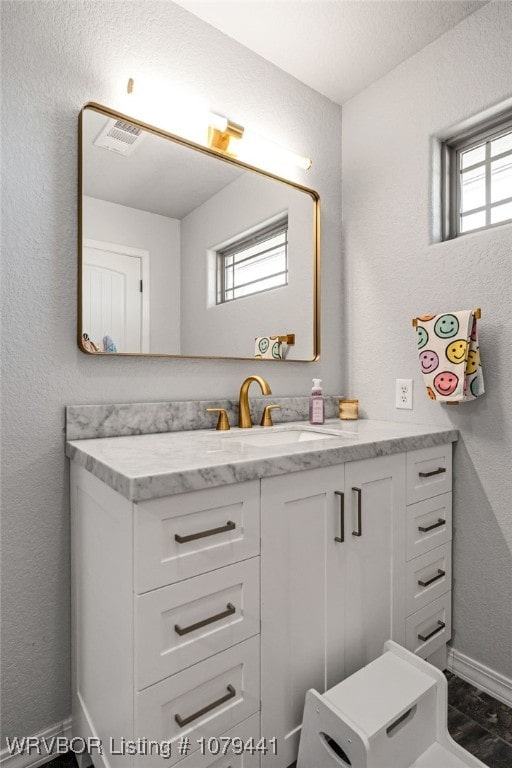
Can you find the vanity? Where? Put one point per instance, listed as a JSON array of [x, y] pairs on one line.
[[217, 576]]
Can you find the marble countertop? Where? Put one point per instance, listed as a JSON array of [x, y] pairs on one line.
[[149, 466]]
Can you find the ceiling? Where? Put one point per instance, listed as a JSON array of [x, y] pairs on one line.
[[160, 176], [337, 47]]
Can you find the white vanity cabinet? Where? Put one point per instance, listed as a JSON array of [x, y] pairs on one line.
[[375, 551], [166, 621], [302, 592], [181, 628], [429, 554], [332, 564]]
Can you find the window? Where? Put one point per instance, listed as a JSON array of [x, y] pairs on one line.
[[478, 179], [254, 263]]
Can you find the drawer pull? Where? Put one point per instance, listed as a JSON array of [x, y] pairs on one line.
[[230, 610], [439, 575], [424, 638], [424, 529], [341, 537], [183, 721], [230, 526], [438, 471], [359, 531]]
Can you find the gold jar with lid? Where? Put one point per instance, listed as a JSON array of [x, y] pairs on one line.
[[348, 409]]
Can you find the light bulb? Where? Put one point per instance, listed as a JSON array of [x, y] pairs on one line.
[[256, 149], [173, 109]]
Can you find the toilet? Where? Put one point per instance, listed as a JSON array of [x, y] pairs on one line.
[[390, 714]]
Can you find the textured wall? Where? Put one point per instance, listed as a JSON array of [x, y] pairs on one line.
[[394, 271], [56, 56]]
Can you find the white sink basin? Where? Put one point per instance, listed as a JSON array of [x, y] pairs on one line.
[[290, 436]]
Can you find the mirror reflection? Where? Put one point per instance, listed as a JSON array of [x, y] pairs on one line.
[[186, 253]]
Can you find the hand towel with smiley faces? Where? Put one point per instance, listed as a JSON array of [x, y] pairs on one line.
[[268, 348], [450, 356]]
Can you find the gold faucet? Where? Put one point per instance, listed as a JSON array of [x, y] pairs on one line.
[[244, 414]]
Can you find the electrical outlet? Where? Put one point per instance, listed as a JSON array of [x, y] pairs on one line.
[[403, 393]]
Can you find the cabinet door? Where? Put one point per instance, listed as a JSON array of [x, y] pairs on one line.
[[301, 599], [375, 557]]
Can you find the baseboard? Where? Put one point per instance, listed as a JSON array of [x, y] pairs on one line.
[[480, 676], [34, 757]]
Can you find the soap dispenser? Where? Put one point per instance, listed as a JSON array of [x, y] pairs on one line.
[[316, 403]]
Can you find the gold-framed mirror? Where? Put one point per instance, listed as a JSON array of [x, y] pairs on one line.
[[185, 252]]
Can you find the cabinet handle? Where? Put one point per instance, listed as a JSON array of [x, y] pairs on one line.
[[230, 526], [438, 471], [183, 721], [230, 610], [424, 529], [359, 531], [441, 625], [341, 537], [439, 575]]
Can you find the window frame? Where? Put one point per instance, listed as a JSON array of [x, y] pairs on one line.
[[451, 149], [263, 233]]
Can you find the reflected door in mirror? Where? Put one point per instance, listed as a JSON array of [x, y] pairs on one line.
[[112, 297]]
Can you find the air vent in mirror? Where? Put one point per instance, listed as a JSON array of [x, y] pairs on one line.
[[119, 136]]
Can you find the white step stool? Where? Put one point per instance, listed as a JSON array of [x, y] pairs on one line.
[[390, 714]]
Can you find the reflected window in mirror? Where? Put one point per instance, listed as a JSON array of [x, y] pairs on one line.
[[184, 252], [255, 262]]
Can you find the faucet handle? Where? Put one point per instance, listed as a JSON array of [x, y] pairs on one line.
[[266, 419], [223, 422]]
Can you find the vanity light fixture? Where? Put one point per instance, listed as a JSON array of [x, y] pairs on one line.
[[223, 135], [234, 140]]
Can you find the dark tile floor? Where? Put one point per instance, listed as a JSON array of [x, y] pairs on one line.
[[479, 723], [476, 721], [63, 761]]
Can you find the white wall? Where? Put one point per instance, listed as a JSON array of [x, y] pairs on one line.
[[56, 57], [229, 329], [393, 271], [159, 235]]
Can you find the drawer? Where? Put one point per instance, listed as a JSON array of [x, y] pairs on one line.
[[179, 625], [202, 701], [249, 729], [429, 629], [429, 472], [181, 536], [429, 524], [428, 577]]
